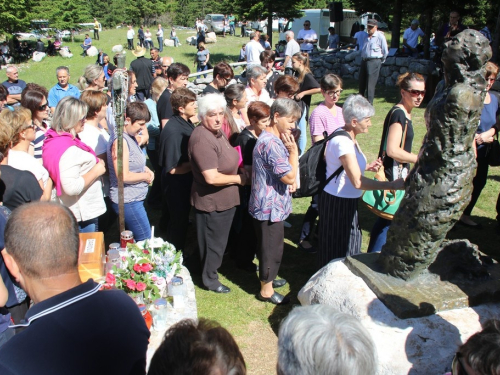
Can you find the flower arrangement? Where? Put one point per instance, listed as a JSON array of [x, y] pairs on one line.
[[145, 268]]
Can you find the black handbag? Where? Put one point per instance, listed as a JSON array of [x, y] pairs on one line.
[[494, 153]]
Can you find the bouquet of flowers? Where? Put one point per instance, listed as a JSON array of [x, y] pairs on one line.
[[145, 269]]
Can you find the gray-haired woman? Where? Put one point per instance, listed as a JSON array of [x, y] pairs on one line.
[[214, 194], [256, 88], [339, 231]]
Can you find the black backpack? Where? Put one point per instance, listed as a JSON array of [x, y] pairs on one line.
[[312, 167]]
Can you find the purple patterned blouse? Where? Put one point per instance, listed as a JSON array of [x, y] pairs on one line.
[[270, 198]]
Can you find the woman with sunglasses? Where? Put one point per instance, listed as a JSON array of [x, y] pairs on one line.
[[488, 127], [74, 166], [37, 103], [19, 158], [396, 158]]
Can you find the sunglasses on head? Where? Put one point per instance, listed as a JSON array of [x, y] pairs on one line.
[[43, 107], [416, 92]]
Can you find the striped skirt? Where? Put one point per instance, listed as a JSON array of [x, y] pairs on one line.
[[339, 231]]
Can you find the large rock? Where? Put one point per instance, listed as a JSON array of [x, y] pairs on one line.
[[346, 69], [417, 68], [402, 61], [390, 61], [385, 71], [358, 60], [419, 346], [168, 43], [92, 51], [351, 56], [191, 40], [117, 48]]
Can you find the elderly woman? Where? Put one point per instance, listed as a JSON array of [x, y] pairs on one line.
[[397, 159], [488, 127], [214, 195], [339, 231], [275, 161], [223, 74], [256, 85], [73, 166], [176, 168], [258, 113], [93, 78], [136, 176], [37, 103], [19, 158]]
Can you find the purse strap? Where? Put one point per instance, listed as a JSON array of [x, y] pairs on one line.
[[341, 168], [403, 138]]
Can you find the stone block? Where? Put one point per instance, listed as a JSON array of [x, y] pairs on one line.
[[331, 59], [358, 60], [390, 61], [418, 68], [168, 43], [327, 65], [402, 61], [346, 69], [395, 75], [319, 73], [191, 40], [385, 71], [403, 70], [389, 81], [352, 55]]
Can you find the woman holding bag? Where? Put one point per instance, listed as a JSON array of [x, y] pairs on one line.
[[396, 143], [339, 231]]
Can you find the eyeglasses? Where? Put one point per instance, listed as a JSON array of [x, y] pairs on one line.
[[457, 366], [416, 92], [334, 92], [307, 24], [30, 126], [43, 107]]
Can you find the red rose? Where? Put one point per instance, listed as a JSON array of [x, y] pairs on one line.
[[137, 268], [130, 284], [110, 279], [146, 267], [141, 286], [132, 274], [145, 251]]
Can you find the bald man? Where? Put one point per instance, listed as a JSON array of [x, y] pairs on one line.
[[69, 318], [165, 64]]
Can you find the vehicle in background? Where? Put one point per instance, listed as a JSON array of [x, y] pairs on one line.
[[381, 24], [35, 34], [215, 23], [90, 26], [262, 25], [320, 22], [63, 34]]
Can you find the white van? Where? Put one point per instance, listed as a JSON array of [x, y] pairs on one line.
[[320, 22], [381, 24]]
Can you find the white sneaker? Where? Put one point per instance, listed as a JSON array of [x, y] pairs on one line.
[[179, 44]]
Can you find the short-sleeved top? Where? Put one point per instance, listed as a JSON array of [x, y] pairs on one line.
[[56, 93], [130, 34], [87, 41], [308, 83], [333, 41], [270, 198], [18, 187], [201, 56], [133, 192], [322, 120], [307, 34], [412, 36], [209, 89], [15, 88], [174, 141], [96, 138], [292, 47], [271, 79], [25, 162], [488, 119], [252, 51], [212, 151], [164, 107], [341, 186], [361, 37], [253, 97], [396, 116]]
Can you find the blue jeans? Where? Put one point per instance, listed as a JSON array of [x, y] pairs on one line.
[[303, 136], [176, 41], [202, 68], [136, 219], [378, 235], [160, 42], [90, 225]]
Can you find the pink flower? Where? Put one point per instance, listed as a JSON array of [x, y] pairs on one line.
[[130, 284], [141, 286], [107, 286], [137, 268], [132, 274], [146, 267], [153, 278], [145, 251], [110, 279]]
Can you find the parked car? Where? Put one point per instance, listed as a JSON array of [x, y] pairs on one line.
[[215, 23], [381, 24], [25, 35], [63, 34], [262, 25]]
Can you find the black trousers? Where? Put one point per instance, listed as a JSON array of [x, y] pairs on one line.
[[270, 242], [177, 198], [339, 231], [478, 183], [368, 77], [212, 231], [130, 43], [96, 34]]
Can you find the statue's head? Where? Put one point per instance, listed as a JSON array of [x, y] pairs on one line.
[[464, 58]]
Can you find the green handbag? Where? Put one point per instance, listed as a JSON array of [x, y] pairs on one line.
[[384, 203]]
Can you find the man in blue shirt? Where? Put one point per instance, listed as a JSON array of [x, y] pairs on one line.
[[373, 55], [14, 86], [62, 88], [87, 43]]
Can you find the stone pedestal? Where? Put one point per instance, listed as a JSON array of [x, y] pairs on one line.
[[423, 345]]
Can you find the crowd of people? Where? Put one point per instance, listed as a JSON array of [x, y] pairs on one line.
[[231, 154]]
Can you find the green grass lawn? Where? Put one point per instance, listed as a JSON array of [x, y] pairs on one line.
[[253, 323]]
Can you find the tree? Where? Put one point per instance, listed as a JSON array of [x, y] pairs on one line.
[[14, 16]]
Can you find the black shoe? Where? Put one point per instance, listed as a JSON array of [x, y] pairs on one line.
[[276, 299], [221, 289], [310, 250], [473, 226], [279, 283], [249, 267]]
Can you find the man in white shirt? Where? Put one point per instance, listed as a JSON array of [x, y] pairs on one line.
[[410, 37], [361, 37], [307, 37], [159, 36], [292, 47], [130, 37], [253, 50]]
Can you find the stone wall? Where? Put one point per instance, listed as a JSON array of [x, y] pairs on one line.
[[346, 65]]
